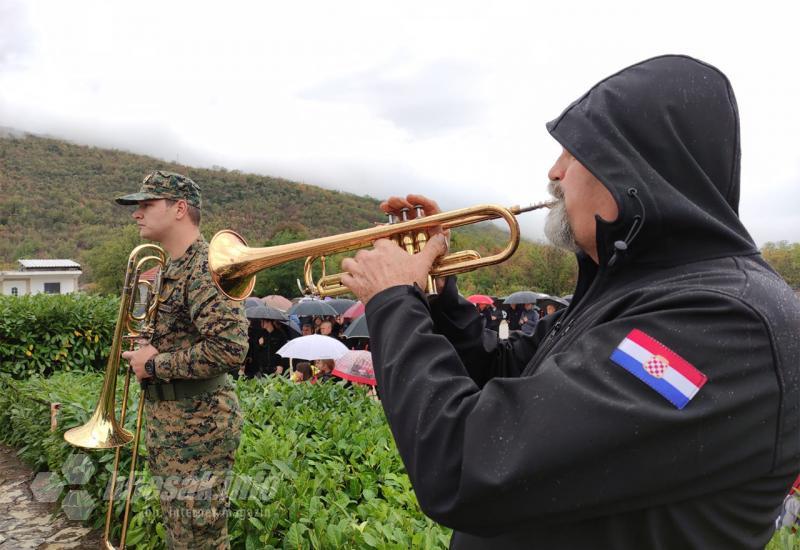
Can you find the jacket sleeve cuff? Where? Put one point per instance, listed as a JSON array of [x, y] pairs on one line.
[[447, 298], [162, 364], [394, 293]]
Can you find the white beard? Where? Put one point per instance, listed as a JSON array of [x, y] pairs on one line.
[[556, 226]]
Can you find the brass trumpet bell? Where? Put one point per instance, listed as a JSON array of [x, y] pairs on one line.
[[228, 251]]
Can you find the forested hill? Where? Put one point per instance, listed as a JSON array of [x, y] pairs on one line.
[[57, 199], [57, 202]]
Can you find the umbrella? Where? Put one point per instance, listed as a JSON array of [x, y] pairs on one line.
[[294, 327], [356, 366], [358, 328], [340, 304], [304, 308], [480, 299], [277, 301], [524, 297], [567, 297], [555, 300], [355, 310], [250, 301], [266, 312], [313, 346]]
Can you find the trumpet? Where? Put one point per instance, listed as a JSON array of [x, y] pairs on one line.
[[233, 264]]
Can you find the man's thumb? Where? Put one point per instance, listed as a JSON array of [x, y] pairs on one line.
[[435, 247]]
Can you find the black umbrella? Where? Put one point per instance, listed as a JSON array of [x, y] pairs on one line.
[[293, 327], [266, 312], [524, 297], [305, 308], [560, 303], [340, 304], [358, 328]]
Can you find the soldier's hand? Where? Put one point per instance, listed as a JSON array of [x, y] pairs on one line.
[[137, 358]]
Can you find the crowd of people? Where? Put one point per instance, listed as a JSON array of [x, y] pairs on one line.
[[267, 336], [522, 317]]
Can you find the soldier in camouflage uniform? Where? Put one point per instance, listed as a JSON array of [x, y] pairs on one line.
[[193, 416]]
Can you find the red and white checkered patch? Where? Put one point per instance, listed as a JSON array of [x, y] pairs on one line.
[[656, 365]]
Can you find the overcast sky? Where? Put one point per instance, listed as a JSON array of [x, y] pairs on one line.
[[446, 98]]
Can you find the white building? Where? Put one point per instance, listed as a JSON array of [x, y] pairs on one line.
[[35, 276]]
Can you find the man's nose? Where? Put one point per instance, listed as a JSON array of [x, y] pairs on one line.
[[555, 173], [559, 167]]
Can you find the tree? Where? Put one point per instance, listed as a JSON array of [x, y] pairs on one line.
[[108, 260], [785, 259], [281, 279], [554, 270]]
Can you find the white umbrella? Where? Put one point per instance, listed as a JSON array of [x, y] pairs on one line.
[[313, 346]]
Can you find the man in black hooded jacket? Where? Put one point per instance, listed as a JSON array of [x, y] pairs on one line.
[[660, 409]]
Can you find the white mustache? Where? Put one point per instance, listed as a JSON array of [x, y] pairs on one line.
[[554, 188]]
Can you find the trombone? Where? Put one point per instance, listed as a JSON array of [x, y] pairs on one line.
[[233, 264], [102, 431]]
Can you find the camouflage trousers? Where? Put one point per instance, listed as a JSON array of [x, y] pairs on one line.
[[193, 495], [192, 468]]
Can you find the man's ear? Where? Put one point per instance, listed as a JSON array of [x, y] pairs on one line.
[[181, 209]]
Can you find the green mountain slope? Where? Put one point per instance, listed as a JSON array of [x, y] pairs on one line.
[[58, 198], [57, 202]]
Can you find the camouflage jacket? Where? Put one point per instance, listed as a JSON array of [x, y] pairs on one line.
[[199, 332]]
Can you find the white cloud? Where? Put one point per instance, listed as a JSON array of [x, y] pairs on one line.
[[376, 97]]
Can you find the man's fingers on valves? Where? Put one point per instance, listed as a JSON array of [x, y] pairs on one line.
[[384, 243]]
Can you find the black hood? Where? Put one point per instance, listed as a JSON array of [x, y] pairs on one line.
[[663, 136]]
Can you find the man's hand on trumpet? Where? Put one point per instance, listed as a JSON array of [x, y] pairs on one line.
[[395, 205], [388, 265]]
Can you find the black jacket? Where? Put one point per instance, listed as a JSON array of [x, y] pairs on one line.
[[543, 441]]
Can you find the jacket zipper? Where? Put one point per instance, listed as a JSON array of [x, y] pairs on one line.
[[555, 333]]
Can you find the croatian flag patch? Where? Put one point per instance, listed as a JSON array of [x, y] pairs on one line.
[[659, 367]]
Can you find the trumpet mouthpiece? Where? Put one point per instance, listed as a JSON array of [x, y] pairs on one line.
[[536, 206]]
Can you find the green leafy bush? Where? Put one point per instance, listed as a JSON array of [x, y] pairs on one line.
[[44, 333], [316, 467], [784, 539]]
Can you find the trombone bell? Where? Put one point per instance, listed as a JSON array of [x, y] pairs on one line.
[[101, 432]]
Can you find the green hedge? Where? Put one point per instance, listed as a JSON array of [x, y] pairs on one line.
[[319, 458], [45, 333]]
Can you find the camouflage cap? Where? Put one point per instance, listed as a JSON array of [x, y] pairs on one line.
[[165, 185]]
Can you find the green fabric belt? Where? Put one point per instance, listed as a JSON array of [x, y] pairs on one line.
[[183, 389]]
